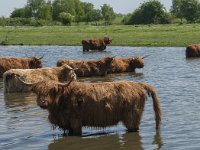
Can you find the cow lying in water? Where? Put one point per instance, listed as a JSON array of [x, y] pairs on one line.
[[12, 84], [96, 44], [193, 51], [89, 68], [19, 63], [76, 104], [120, 65]]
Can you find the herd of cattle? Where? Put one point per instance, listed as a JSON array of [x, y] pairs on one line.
[[72, 104]]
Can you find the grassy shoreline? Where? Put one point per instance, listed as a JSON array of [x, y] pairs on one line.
[[140, 35]]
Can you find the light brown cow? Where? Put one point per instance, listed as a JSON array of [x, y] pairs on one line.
[[120, 65], [76, 104], [96, 44], [12, 84], [90, 67], [19, 63], [193, 51]]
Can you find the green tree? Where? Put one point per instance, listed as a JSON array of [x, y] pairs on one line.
[[176, 9], [66, 18], [190, 10], [150, 12], [34, 6], [87, 9], [18, 13], [108, 13], [45, 12]]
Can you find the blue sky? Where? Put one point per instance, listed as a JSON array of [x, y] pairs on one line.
[[119, 6]]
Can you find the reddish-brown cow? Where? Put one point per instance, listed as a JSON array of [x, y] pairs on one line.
[[120, 65], [96, 44], [19, 63], [89, 68], [193, 51], [76, 104]]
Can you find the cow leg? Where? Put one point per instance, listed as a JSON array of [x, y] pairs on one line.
[[76, 127], [132, 121]]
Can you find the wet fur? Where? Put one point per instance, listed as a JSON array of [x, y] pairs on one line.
[[18, 63], [96, 104], [90, 67], [193, 51]]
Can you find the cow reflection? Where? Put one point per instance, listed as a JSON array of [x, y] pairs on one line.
[[106, 142], [19, 100]]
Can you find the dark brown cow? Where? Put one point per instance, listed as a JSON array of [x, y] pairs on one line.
[[120, 65], [96, 44], [89, 68], [76, 104], [193, 51], [19, 63]]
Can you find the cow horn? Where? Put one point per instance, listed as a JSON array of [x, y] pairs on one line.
[[25, 83], [41, 57], [113, 57], [145, 56], [65, 84]]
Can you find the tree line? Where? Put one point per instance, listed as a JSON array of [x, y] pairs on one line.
[[65, 12]]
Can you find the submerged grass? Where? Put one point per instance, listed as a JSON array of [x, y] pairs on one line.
[[139, 35]]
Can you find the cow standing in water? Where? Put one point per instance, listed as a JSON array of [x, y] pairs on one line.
[[19, 63], [76, 104], [89, 68], [193, 51], [120, 65], [12, 84], [96, 44]]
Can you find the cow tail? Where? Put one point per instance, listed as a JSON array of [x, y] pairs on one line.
[[156, 103]]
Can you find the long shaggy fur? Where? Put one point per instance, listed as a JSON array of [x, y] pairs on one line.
[[95, 104], [19, 63], [12, 84], [95, 44], [89, 68], [193, 51], [120, 65]]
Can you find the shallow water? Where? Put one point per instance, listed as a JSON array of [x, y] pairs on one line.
[[23, 125]]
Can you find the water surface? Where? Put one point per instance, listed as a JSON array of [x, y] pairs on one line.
[[23, 125]]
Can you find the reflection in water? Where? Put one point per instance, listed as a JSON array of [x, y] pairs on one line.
[[19, 99], [114, 77], [158, 140], [121, 141]]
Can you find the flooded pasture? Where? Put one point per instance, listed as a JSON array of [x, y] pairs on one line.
[[23, 125]]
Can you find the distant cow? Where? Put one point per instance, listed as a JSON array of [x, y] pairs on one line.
[[193, 50], [120, 65], [12, 84], [76, 104], [19, 63], [96, 44], [90, 67]]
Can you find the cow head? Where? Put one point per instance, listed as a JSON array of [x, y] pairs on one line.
[[48, 92], [107, 40], [35, 62], [137, 62], [67, 73]]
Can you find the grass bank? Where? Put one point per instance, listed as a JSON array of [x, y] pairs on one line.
[[141, 35]]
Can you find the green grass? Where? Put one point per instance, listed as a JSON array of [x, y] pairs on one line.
[[140, 35]]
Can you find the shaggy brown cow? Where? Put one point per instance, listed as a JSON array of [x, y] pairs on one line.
[[19, 63], [12, 84], [89, 68], [96, 44], [76, 104], [193, 51], [120, 65]]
